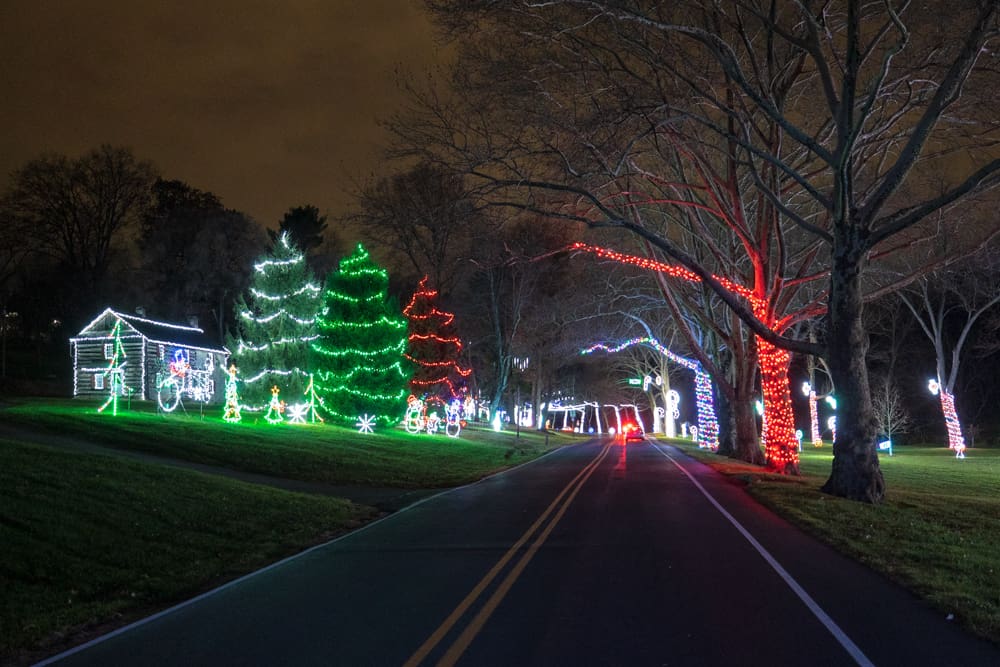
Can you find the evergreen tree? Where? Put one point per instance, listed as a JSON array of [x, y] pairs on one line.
[[433, 347], [276, 322], [362, 337]]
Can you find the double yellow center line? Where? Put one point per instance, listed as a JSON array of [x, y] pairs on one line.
[[557, 508]]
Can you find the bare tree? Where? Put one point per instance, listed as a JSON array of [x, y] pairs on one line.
[[423, 216], [947, 307], [891, 415], [834, 113], [78, 211]]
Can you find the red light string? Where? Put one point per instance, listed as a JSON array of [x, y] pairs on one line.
[[780, 443], [433, 376]]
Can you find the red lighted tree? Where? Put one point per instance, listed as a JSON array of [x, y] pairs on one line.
[[779, 427], [433, 346]]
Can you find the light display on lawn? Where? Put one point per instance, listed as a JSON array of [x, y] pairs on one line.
[[453, 418], [358, 355], [807, 389], [298, 413], [232, 412], [418, 418], [114, 374], [955, 439], [275, 408], [433, 346], [780, 446], [831, 423], [181, 379], [275, 325], [311, 413], [708, 425], [366, 424]]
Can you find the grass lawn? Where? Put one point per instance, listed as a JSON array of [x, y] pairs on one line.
[[320, 453], [92, 541], [938, 532]]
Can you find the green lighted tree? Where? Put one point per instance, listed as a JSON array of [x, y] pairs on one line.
[[276, 323], [358, 355]]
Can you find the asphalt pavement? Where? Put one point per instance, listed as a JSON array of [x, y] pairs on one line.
[[597, 554]]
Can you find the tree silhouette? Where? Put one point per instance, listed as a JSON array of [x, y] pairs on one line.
[[304, 227]]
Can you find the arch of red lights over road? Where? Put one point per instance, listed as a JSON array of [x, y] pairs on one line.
[[780, 443]]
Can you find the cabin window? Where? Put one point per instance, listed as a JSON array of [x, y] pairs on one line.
[[99, 381], [108, 350]]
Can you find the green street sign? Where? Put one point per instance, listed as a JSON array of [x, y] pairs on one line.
[[635, 382]]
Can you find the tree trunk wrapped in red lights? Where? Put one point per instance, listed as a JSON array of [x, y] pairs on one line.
[[433, 347], [780, 443]]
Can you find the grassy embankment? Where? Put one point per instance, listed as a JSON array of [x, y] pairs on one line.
[[94, 540], [937, 533]]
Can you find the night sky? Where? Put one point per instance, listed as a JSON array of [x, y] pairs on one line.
[[267, 104]]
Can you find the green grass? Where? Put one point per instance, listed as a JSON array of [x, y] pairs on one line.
[[91, 541], [321, 453], [937, 533]]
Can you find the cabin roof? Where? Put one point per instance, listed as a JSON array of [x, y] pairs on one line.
[[155, 331]]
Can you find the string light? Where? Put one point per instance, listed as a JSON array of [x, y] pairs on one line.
[[115, 372], [130, 334], [311, 413], [807, 389], [708, 424], [413, 420], [275, 408], [276, 324], [778, 430], [232, 411], [366, 424], [955, 439], [361, 344], [453, 418], [297, 413], [431, 349]]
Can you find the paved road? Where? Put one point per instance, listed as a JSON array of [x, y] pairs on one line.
[[597, 554]]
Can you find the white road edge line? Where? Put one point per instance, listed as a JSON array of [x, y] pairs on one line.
[[824, 618], [177, 607]]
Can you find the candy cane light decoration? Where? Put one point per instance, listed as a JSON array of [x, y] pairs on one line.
[[955, 439]]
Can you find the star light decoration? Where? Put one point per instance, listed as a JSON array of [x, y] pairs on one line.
[[708, 425], [955, 439], [275, 408], [366, 424], [780, 446]]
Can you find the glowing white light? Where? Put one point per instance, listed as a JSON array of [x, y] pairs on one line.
[[297, 413], [366, 424]]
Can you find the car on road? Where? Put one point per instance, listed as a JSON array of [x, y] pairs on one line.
[[633, 432]]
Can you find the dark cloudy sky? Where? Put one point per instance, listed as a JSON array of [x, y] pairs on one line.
[[266, 104]]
